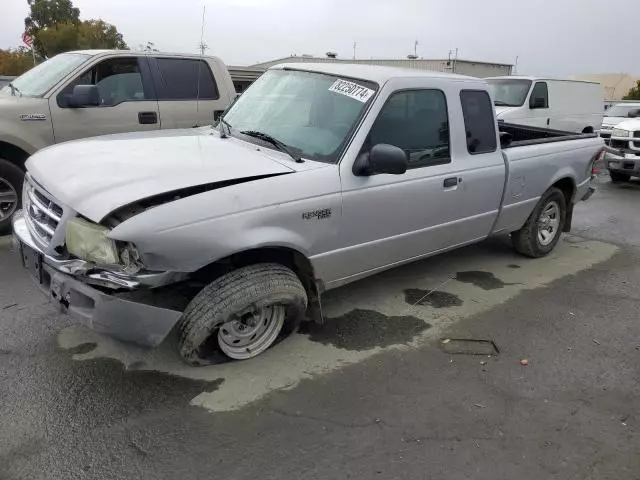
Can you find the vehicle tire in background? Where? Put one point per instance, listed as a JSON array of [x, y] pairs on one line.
[[543, 228], [11, 179], [617, 177], [241, 314]]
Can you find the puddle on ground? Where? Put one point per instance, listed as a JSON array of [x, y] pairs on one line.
[[435, 299], [484, 280], [514, 266], [364, 329], [83, 348]]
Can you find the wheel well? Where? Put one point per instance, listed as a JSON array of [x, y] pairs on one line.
[[288, 257], [568, 188], [587, 130], [13, 154]]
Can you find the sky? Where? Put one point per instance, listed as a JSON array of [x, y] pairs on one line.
[[548, 37]]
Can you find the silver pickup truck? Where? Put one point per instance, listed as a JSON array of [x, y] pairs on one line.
[[317, 176]]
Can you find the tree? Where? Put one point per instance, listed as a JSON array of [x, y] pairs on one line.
[[90, 34], [15, 62], [634, 93], [56, 27], [45, 14]]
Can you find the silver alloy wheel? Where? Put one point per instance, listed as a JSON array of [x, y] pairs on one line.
[[549, 223], [249, 335], [8, 199]]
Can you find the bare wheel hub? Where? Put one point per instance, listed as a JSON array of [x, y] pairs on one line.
[[248, 335], [8, 199]]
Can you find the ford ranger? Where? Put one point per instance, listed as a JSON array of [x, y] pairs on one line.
[[317, 176], [95, 92]]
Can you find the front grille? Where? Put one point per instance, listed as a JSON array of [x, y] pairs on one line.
[[42, 212], [636, 134], [605, 135], [619, 144]]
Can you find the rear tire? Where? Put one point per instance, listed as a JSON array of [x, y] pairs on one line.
[[543, 228], [617, 177], [241, 314], [11, 179]]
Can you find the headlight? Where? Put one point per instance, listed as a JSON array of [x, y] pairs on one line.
[[89, 242], [617, 132]]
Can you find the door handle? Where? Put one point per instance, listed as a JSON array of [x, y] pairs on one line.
[[450, 182], [147, 118], [548, 121]]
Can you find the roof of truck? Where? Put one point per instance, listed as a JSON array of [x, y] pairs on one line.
[[373, 73], [533, 79], [137, 53]]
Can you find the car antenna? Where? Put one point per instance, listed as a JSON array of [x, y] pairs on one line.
[[203, 46]]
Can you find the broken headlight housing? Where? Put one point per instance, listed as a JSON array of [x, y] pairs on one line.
[[90, 242]]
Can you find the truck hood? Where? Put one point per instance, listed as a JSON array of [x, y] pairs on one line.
[[612, 121], [631, 124], [500, 111], [98, 175]]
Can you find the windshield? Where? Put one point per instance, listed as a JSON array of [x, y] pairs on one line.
[[621, 110], [312, 113], [40, 79], [509, 93]]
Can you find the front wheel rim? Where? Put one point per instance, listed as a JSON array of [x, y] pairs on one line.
[[549, 223], [250, 334], [8, 199]]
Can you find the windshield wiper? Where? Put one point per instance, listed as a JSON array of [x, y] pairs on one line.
[[225, 128], [14, 89], [283, 147]]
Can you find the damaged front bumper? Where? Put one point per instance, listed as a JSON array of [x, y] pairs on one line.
[[82, 291]]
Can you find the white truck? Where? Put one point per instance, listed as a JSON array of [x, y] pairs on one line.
[[97, 92], [623, 155], [570, 105], [318, 175]]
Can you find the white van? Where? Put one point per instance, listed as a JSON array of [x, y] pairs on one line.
[[570, 105]]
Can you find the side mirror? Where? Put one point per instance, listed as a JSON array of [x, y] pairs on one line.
[[633, 113], [537, 102], [505, 139], [84, 96], [382, 158]]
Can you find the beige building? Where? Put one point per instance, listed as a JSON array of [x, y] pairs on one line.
[[615, 85], [463, 67]]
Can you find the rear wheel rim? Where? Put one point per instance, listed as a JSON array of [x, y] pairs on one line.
[[8, 199], [248, 335], [549, 223]]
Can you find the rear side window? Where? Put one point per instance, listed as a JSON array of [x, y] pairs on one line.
[[479, 123], [187, 79]]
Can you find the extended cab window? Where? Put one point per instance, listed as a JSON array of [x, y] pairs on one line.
[[479, 123], [187, 79], [118, 80], [417, 122], [539, 96]]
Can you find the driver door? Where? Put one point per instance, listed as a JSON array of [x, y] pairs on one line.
[[127, 101]]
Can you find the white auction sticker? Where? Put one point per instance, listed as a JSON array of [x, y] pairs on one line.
[[351, 90]]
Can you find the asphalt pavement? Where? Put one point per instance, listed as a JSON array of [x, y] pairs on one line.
[[384, 390]]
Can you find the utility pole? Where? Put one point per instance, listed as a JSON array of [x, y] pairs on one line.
[[415, 48], [515, 67], [455, 61], [355, 44]]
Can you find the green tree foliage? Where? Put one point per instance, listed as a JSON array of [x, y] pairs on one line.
[[82, 36], [15, 62], [634, 93], [45, 14], [56, 27]]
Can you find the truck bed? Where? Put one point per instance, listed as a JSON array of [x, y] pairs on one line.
[[512, 135]]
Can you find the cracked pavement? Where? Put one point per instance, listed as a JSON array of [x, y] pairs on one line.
[[389, 403]]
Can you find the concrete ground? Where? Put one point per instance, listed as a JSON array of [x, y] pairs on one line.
[[375, 393]]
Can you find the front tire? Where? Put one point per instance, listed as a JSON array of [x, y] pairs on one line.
[[617, 177], [11, 179], [541, 232], [241, 314]]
